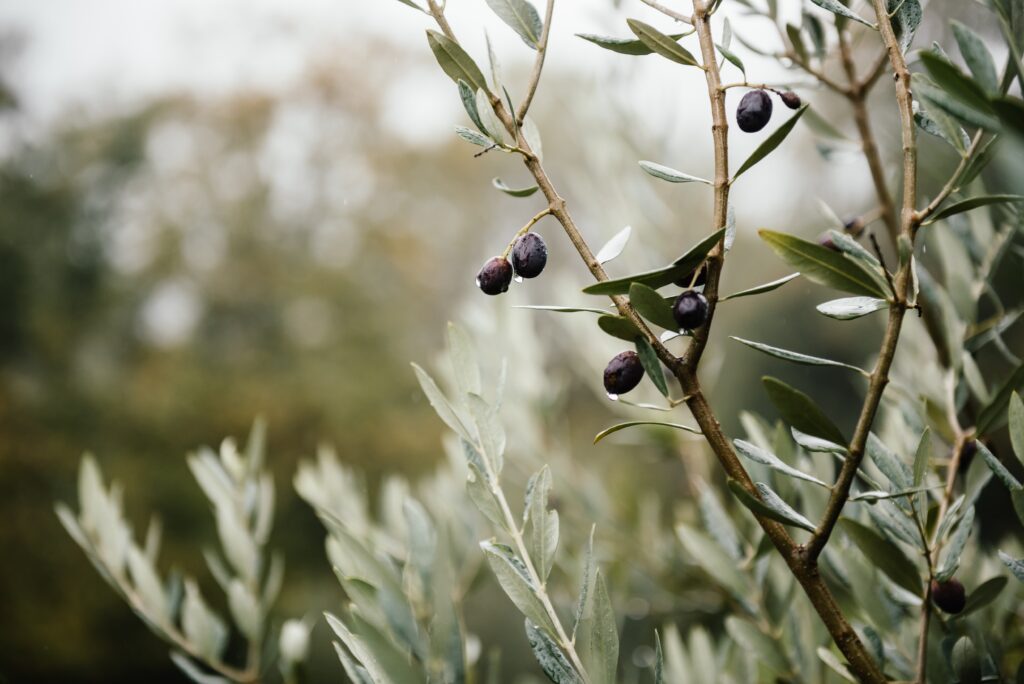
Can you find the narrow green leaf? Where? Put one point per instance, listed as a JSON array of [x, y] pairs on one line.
[[884, 555], [662, 276], [1015, 566], [514, 579], [659, 660], [550, 657], [935, 96], [455, 62], [652, 306], [972, 203], [976, 55], [588, 563], [761, 289], [984, 594], [955, 83], [562, 309], [836, 7], [769, 505], [796, 357], [625, 46], [906, 20], [770, 143], [816, 444], [1016, 416], [935, 121], [965, 661], [800, 411], [998, 469], [894, 469], [822, 265], [796, 41], [652, 366], [731, 56], [851, 307], [993, 415], [441, 406], [604, 635], [514, 192], [622, 426], [471, 136], [620, 327], [756, 454], [482, 495], [469, 103], [613, 248], [881, 495], [660, 43], [670, 174], [521, 16]]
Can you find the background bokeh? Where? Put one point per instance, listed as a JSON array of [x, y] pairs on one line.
[[213, 211]]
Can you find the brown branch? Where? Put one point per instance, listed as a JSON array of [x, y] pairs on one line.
[[538, 64], [951, 185], [857, 95], [908, 227]]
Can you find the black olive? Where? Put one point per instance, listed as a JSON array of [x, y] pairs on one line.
[[529, 255], [690, 310], [754, 111], [623, 373], [949, 596], [495, 276]]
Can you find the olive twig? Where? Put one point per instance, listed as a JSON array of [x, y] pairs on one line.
[[525, 229]]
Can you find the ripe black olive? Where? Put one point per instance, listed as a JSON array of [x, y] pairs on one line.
[[690, 310], [623, 373], [949, 596], [754, 111], [790, 99], [529, 255], [495, 276]]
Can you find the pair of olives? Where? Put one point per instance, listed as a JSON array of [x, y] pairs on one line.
[[529, 256], [690, 310], [755, 108]]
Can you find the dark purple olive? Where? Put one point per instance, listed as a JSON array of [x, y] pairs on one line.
[[690, 310], [688, 279], [790, 99], [623, 373], [754, 111], [495, 276], [949, 596], [529, 255]]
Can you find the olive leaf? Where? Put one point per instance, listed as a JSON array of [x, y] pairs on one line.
[[455, 62], [658, 42], [514, 192], [620, 327], [754, 453], [770, 505], [514, 579], [849, 308], [822, 265], [976, 55], [884, 555], [613, 248], [622, 426], [522, 17], [652, 306], [761, 289], [625, 46], [660, 277], [652, 366], [669, 174], [801, 412], [797, 357], [838, 8], [973, 203]]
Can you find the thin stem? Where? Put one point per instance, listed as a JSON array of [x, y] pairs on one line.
[[668, 12], [952, 185], [524, 230], [817, 73], [437, 11], [858, 101], [538, 64]]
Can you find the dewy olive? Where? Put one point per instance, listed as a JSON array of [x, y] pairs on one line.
[[495, 276], [623, 373], [529, 255], [690, 310], [754, 111]]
